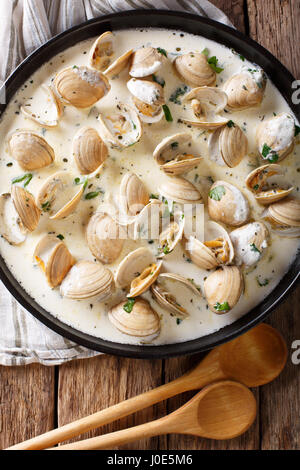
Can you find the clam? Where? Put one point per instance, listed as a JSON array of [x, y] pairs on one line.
[[133, 195], [26, 207], [59, 195], [81, 86], [215, 250], [145, 62], [206, 103], [148, 98], [136, 318], [228, 145], [249, 242], [54, 258], [171, 235], [52, 100], [147, 222], [275, 137], [30, 150], [172, 154], [105, 238], [180, 190], [89, 150], [245, 89], [11, 226], [87, 279], [227, 204], [284, 217], [122, 128], [168, 288], [223, 289], [194, 70], [265, 186], [138, 270], [101, 55]]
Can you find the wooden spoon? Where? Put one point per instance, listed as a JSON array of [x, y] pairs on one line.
[[220, 411], [255, 358]]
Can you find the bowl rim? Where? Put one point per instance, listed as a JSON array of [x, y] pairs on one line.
[[206, 28]]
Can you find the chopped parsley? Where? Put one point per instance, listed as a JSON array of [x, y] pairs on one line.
[[230, 123], [254, 248], [263, 283], [217, 193], [269, 154], [26, 178], [166, 249], [153, 196], [178, 92], [178, 321], [256, 187], [158, 80], [167, 113], [212, 61], [92, 195], [162, 51], [128, 306], [81, 181], [61, 237], [46, 206], [174, 145], [224, 307]]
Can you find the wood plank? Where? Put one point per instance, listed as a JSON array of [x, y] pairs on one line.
[[234, 9], [90, 385], [27, 402]]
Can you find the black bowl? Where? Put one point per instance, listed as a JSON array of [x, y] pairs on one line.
[[185, 22]]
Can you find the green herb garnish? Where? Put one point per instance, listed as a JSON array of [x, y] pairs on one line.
[[162, 51], [178, 92], [61, 237], [230, 123], [26, 178], [153, 196], [254, 248], [92, 195], [263, 283], [174, 145], [178, 321], [158, 80], [224, 307], [46, 206], [128, 306], [217, 193], [256, 187], [166, 249], [213, 62], [167, 113], [269, 154]]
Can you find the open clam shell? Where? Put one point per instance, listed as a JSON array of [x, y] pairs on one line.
[[105, 238], [141, 321], [89, 150], [145, 62], [133, 195], [30, 150], [26, 207], [245, 89], [122, 128], [87, 279], [284, 216], [54, 101], [148, 98], [180, 190], [148, 222], [173, 156], [81, 86], [206, 103], [194, 70], [227, 204], [215, 250], [138, 270], [275, 137], [249, 242], [264, 186], [54, 258], [223, 289], [228, 145], [168, 292], [171, 235], [11, 226], [118, 65], [59, 196]]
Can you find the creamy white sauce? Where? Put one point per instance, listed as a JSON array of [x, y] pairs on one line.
[[91, 317]]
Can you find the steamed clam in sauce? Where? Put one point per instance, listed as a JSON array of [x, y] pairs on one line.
[[99, 166]]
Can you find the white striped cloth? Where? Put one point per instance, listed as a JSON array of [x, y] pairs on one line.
[[25, 25]]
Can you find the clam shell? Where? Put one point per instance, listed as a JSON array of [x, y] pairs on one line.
[[145, 62], [87, 279], [59, 196], [206, 100], [30, 150], [194, 70], [52, 98], [285, 213], [249, 242], [81, 86], [167, 299], [121, 129], [105, 238], [244, 91], [171, 154], [205, 125], [11, 226], [26, 207], [215, 250], [227, 204], [89, 150], [171, 235], [138, 270], [102, 51], [226, 284], [257, 183], [228, 145], [133, 195], [118, 65], [180, 190], [147, 222], [147, 98], [54, 258], [277, 133], [142, 321]]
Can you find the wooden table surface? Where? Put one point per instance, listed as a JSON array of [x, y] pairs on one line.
[[34, 399]]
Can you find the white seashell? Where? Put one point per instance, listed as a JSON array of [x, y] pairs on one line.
[[89, 150], [11, 226], [194, 69], [180, 190], [275, 137], [30, 150], [249, 243], [223, 289], [55, 101], [228, 145], [245, 89], [145, 62], [227, 204], [265, 188]]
